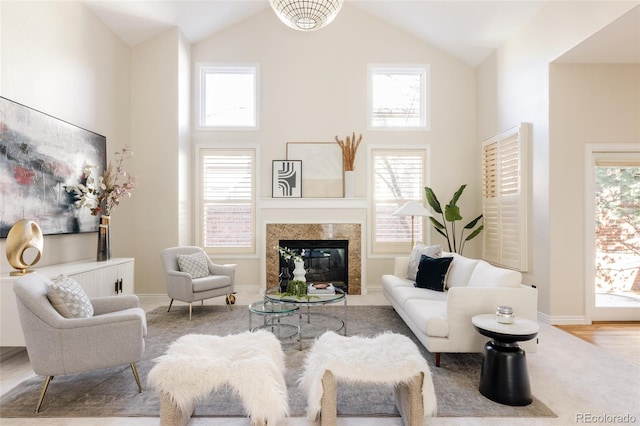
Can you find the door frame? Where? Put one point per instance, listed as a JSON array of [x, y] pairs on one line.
[[591, 153]]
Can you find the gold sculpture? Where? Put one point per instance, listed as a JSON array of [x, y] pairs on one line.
[[24, 235]]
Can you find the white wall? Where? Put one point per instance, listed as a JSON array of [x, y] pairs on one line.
[[58, 58], [513, 86], [589, 103], [314, 87]]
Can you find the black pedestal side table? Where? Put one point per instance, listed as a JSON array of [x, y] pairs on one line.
[[504, 378]]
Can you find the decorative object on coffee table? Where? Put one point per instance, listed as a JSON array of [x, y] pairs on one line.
[[23, 237], [504, 377], [102, 194]]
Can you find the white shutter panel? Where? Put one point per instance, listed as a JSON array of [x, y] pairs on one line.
[[504, 198]]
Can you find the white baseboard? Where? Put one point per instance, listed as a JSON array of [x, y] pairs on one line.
[[562, 319]]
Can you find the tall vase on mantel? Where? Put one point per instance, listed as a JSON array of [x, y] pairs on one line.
[[349, 184], [299, 272], [104, 239]]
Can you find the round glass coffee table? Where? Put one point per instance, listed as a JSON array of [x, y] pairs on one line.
[[305, 305], [272, 313]]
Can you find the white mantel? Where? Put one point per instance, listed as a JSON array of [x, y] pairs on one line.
[[313, 203]]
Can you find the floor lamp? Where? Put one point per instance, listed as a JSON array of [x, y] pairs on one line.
[[412, 208]]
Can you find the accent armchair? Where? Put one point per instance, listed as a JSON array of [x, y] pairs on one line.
[[192, 276], [112, 336]]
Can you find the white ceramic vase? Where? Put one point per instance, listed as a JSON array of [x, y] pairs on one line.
[[299, 272], [349, 184]]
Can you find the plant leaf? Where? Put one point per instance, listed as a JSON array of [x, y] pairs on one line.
[[452, 213], [443, 234], [473, 222], [435, 223], [432, 199], [457, 195], [475, 233]]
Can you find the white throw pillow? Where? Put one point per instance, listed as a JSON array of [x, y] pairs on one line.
[[460, 270], [194, 264], [68, 298], [487, 275], [416, 254]]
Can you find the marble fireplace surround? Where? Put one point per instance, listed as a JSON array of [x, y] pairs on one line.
[[316, 231]]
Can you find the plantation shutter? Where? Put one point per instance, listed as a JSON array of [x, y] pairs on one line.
[[228, 200], [504, 199], [398, 177]]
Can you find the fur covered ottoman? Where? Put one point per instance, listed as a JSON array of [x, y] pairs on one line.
[[252, 363], [389, 358]]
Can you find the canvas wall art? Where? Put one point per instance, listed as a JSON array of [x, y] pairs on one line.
[[39, 156], [323, 170], [287, 179]]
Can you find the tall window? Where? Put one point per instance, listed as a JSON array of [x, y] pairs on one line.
[[398, 176], [228, 200], [398, 97], [504, 198], [228, 97]]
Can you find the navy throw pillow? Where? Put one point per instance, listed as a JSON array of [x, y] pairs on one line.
[[432, 272]]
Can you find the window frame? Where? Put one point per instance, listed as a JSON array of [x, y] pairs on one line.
[[240, 68], [384, 249], [505, 243], [199, 211], [424, 70]]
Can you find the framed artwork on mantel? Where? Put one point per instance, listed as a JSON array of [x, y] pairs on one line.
[[323, 169], [287, 179]]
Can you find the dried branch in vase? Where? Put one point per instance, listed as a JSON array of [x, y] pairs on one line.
[[349, 149]]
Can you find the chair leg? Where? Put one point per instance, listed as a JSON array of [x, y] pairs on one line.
[[135, 375], [437, 359], [190, 308], [45, 385], [170, 303]]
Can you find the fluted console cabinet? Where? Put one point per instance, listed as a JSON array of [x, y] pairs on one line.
[[109, 278]]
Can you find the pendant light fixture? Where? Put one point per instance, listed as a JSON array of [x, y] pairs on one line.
[[306, 15]]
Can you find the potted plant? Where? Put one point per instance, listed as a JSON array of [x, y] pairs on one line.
[[451, 214]]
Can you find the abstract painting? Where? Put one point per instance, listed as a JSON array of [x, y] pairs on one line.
[[323, 170], [287, 179], [40, 156]]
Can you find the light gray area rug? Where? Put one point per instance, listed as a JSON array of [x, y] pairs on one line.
[[113, 392]]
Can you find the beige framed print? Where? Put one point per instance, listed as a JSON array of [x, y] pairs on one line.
[[323, 170]]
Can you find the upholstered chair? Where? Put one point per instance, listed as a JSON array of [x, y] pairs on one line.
[[192, 276], [110, 335]]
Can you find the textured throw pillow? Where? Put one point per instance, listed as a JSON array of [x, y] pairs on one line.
[[68, 298], [432, 272], [414, 259], [194, 264]]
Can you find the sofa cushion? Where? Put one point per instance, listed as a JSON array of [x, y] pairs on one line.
[[194, 264], [487, 275], [414, 258], [68, 298], [460, 271], [432, 272], [404, 294], [429, 316]]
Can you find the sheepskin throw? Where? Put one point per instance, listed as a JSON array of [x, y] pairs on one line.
[[251, 363], [388, 358]]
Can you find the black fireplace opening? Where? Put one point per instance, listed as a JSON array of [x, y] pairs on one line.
[[325, 261]]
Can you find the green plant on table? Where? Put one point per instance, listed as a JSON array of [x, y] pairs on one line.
[[451, 214]]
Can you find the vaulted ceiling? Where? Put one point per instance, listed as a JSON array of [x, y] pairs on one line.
[[469, 30]]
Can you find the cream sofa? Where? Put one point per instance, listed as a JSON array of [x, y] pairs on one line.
[[442, 320]]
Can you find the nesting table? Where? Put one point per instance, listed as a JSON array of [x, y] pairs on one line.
[[504, 377], [271, 313]]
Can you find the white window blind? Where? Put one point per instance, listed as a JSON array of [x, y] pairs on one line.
[[504, 198], [398, 177], [228, 200], [398, 97]]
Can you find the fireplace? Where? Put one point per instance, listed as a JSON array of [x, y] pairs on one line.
[[324, 260], [349, 232]]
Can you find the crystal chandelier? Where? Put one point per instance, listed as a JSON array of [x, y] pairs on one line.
[[306, 15]]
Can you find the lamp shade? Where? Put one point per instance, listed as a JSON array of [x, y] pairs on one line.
[[306, 15], [412, 208]]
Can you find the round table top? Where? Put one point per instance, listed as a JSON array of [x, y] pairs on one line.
[[521, 329], [274, 295], [274, 308]]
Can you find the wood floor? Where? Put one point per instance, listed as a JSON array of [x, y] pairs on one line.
[[622, 338]]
